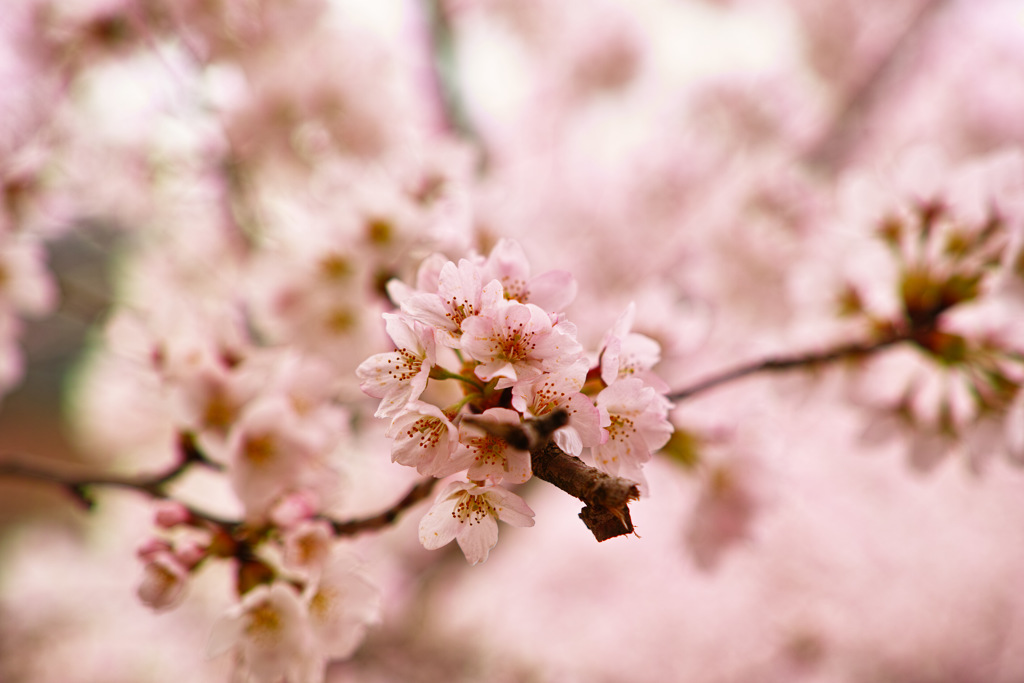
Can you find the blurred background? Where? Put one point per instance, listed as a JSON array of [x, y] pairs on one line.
[[702, 158]]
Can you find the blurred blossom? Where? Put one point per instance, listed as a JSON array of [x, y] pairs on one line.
[[493, 224], [163, 581]]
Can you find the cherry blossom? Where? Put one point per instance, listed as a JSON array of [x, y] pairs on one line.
[[823, 241], [425, 438], [949, 284], [341, 604], [273, 454], [625, 353], [490, 456], [637, 426], [307, 545], [512, 352], [163, 582], [507, 263], [515, 342], [270, 635], [460, 290], [562, 390], [469, 514], [399, 377]]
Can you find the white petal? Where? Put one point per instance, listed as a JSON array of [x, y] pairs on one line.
[[226, 632], [477, 540], [401, 333], [511, 508], [438, 527], [568, 439]]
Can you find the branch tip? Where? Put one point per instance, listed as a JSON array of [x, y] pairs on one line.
[[607, 498]]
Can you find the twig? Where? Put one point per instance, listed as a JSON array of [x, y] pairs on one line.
[[606, 513], [804, 360], [451, 105], [421, 490], [77, 484], [154, 486], [833, 144], [607, 498]]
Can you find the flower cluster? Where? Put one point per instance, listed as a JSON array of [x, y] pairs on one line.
[[951, 258], [266, 420], [503, 336], [305, 599]]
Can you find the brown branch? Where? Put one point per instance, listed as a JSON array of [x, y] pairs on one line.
[[421, 490], [607, 498], [77, 483], [154, 486], [804, 360]]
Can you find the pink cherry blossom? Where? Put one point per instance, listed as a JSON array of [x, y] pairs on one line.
[[307, 545], [163, 582], [399, 376], [637, 426], [489, 456], [426, 439], [562, 390], [507, 263], [270, 635], [341, 603], [273, 453], [460, 290], [625, 353], [294, 509], [170, 513], [515, 342], [209, 397], [469, 514]]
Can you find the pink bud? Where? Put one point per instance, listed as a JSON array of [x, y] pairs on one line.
[[190, 553], [294, 508], [170, 514], [308, 545], [150, 547], [163, 581]]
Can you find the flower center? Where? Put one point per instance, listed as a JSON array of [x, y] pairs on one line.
[[472, 509], [259, 449], [264, 623], [621, 427], [429, 430], [405, 367]]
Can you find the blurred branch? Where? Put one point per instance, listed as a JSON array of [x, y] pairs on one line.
[[781, 363], [418, 492], [78, 484], [831, 147], [443, 73], [155, 487]]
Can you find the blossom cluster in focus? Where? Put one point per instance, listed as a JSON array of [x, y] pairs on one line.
[[501, 333]]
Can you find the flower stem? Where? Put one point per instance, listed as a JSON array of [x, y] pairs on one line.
[[437, 372], [803, 360]]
